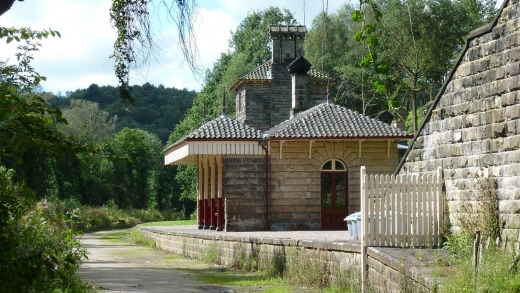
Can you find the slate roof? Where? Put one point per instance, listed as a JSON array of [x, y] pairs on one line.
[[263, 72], [327, 120], [224, 128]]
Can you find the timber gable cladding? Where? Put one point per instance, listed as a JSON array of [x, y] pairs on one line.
[[265, 170]]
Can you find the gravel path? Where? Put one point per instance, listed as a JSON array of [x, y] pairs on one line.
[[120, 267]]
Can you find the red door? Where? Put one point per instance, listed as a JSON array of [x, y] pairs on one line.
[[334, 199]]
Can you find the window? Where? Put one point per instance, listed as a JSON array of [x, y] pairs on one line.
[[333, 165]]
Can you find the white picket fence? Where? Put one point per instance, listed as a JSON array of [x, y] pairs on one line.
[[400, 211]]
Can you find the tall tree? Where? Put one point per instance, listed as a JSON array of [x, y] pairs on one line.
[[136, 171], [251, 38], [87, 123], [421, 39], [330, 46], [414, 41]]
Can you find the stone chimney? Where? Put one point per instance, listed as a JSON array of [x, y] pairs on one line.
[[298, 69], [287, 42]]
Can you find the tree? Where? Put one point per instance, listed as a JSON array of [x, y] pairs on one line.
[[331, 47], [251, 38], [87, 123], [136, 170], [38, 254], [404, 52], [421, 39], [27, 123]]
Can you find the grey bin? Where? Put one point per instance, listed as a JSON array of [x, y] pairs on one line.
[[353, 225]]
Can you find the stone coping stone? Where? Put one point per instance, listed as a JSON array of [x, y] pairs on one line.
[[322, 240], [417, 262]]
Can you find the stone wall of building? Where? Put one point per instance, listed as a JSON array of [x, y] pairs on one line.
[[295, 191], [244, 184], [474, 129], [281, 93], [317, 94], [256, 105]]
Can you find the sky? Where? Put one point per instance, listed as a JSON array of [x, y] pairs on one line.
[[81, 56]]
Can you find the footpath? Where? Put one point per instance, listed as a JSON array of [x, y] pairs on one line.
[[122, 267]]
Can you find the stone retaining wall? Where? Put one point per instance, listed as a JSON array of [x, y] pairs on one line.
[[390, 269], [473, 129]]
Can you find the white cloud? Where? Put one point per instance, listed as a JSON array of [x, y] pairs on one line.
[[81, 56]]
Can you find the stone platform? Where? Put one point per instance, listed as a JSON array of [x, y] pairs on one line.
[[389, 269]]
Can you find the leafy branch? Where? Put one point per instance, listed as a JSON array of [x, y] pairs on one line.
[[368, 35], [22, 75], [134, 43]]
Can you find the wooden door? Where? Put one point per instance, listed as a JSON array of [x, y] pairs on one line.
[[334, 199]]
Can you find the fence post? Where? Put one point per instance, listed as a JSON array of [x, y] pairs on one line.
[[364, 223], [440, 208]]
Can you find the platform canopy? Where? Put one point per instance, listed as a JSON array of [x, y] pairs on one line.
[[222, 136]]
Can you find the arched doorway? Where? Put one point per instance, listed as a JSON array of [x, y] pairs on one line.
[[334, 195]]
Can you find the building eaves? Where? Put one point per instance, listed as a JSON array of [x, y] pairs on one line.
[[222, 128]]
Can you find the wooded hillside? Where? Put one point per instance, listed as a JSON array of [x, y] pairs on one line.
[[157, 109]]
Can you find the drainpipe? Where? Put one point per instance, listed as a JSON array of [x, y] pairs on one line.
[[262, 142]]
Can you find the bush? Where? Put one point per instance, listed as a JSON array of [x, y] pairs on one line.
[[39, 251], [108, 217]]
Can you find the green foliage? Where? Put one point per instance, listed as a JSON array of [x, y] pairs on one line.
[[86, 218], [134, 173], [104, 174], [496, 273], [409, 120], [251, 36], [21, 76], [391, 52], [30, 142], [157, 109], [87, 123], [460, 246], [134, 43], [140, 239], [210, 254], [39, 251]]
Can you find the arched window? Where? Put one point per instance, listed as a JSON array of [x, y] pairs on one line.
[[334, 194]]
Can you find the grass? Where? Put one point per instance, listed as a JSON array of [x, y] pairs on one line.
[[117, 237], [498, 272], [128, 236], [171, 223], [228, 277]]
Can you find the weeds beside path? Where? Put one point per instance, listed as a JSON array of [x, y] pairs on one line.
[[123, 267]]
